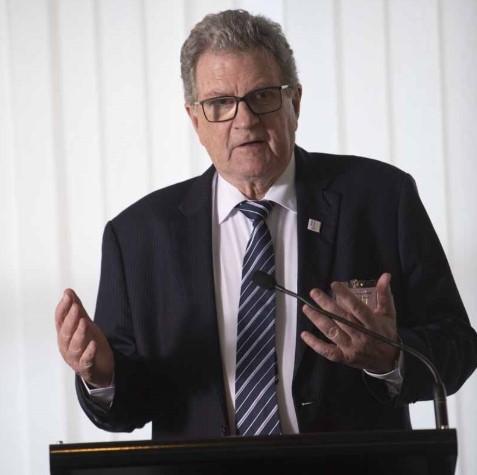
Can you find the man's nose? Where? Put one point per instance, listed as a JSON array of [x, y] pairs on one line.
[[245, 117]]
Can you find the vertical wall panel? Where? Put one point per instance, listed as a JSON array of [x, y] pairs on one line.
[[169, 128], [35, 198], [81, 196], [78, 94], [311, 33], [363, 49], [123, 96], [13, 435], [416, 91]]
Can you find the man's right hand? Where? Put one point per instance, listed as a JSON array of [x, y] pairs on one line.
[[82, 344]]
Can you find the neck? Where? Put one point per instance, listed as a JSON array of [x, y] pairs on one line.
[[252, 188], [253, 191]]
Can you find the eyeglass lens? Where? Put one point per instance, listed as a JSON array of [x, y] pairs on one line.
[[224, 108]]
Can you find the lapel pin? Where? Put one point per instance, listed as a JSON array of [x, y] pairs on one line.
[[314, 225]]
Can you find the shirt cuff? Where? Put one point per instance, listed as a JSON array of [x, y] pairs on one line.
[[394, 378], [101, 396]]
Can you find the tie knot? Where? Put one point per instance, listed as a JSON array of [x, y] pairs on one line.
[[256, 210]]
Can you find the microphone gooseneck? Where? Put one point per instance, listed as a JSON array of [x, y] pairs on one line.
[[266, 281]]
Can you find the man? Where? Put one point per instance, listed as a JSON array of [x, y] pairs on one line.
[[162, 347]]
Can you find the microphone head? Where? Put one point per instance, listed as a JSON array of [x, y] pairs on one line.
[[264, 280]]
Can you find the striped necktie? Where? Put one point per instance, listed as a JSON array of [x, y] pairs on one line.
[[256, 408]]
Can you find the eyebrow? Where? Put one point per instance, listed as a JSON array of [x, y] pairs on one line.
[[212, 94]]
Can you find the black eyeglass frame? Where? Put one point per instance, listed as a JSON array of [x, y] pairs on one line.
[[243, 99]]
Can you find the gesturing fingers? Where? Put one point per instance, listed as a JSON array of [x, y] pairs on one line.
[[344, 343], [73, 330], [82, 344], [68, 326], [79, 340], [330, 351], [62, 309], [348, 303], [347, 343], [328, 327]]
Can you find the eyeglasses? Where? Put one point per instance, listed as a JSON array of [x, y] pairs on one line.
[[260, 101]]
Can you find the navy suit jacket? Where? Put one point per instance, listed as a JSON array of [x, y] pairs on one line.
[[156, 302]]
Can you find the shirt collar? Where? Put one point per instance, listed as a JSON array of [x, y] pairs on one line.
[[281, 192]]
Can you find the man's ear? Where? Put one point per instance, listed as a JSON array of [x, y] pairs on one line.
[[296, 101], [192, 113]]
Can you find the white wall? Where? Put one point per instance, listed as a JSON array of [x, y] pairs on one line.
[[91, 119]]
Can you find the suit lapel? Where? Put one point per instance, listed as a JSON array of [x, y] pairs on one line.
[[315, 249], [192, 234]]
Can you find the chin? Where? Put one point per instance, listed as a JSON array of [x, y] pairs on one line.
[[253, 158]]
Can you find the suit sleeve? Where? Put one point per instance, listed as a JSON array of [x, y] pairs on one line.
[[432, 318], [130, 408]]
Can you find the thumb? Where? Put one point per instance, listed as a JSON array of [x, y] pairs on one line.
[[385, 300]]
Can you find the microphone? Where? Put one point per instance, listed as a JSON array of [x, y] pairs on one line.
[[268, 282]]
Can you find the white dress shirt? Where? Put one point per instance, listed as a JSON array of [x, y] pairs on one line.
[[231, 230]]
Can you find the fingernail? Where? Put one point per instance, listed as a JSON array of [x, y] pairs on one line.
[[66, 297]]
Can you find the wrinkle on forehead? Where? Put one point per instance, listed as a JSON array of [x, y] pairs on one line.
[[235, 72]]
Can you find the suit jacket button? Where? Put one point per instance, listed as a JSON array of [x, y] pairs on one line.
[[224, 431]]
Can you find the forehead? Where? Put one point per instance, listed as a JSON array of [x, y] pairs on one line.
[[235, 72]]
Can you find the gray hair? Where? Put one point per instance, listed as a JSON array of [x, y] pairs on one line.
[[235, 30]]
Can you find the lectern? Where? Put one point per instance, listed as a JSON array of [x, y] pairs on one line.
[[415, 452]]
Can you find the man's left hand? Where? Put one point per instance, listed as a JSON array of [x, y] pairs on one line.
[[347, 345]]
